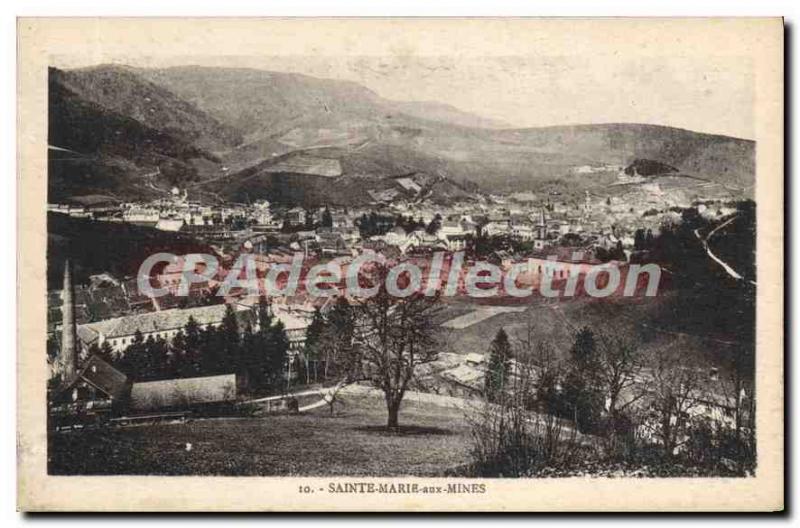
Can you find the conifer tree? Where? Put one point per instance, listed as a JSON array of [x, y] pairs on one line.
[[580, 385], [231, 360], [499, 366], [277, 348], [313, 345], [327, 218]]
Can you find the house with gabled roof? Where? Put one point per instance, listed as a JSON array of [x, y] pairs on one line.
[[119, 332], [97, 385]]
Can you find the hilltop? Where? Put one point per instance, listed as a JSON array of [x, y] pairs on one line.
[[95, 149], [232, 132]]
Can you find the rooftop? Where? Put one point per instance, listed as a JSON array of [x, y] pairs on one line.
[[103, 376], [151, 395], [159, 321]]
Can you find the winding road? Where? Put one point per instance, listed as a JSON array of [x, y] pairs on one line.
[[704, 241]]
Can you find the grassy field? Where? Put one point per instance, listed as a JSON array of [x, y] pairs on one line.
[[432, 440], [648, 321]]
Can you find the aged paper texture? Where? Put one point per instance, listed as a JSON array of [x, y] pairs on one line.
[[400, 264]]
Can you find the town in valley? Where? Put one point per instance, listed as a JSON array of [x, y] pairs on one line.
[[204, 379]]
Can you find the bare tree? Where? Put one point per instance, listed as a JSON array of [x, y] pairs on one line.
[[736, 397], [673, 387], [618, 372], [394, 335], [331, 394]]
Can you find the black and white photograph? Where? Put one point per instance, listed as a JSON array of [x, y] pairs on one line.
[[453, 268]]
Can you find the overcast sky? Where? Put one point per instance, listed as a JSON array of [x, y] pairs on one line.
[[531, 91]]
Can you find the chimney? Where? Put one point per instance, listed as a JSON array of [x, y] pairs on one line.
[[69, 353]]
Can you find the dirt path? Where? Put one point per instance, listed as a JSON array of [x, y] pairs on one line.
[[704, 241]]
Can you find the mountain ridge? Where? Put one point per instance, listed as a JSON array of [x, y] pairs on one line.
[[236, 119]]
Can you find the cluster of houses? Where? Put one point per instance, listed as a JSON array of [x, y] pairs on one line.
[[90, 388], [175, 213], [543, 221], [119, 332], [455, 225], [112, 310]]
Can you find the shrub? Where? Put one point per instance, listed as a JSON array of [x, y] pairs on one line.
[[508, 440]]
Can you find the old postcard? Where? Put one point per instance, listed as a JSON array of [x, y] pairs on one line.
[[400, 264]]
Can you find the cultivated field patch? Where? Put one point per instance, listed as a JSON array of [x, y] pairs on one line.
[[480, 314]]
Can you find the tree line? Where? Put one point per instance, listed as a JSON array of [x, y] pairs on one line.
[[376, 224], [707, 300], [663, 409], [257, 353]]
